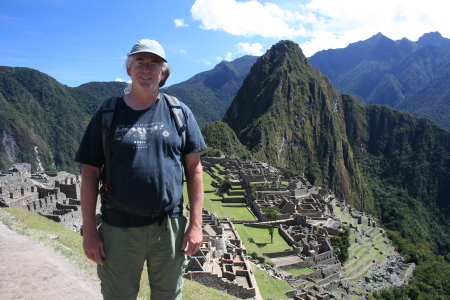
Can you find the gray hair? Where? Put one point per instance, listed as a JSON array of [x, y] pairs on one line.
[[165, 67]]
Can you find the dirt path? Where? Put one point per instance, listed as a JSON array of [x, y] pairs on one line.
[[31, 271]]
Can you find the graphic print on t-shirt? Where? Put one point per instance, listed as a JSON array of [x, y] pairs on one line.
[[139, 134]]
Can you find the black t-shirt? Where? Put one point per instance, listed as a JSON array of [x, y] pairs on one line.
[[146, 159]]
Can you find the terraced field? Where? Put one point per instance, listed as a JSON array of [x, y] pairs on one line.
[[369, 245]]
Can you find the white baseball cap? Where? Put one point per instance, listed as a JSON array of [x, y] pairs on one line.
[[149, 46]]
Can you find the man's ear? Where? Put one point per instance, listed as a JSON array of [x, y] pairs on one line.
[[128, 71]]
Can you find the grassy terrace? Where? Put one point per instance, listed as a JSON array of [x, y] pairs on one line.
[[213, 203], [361, 256], [270, 288], [258, 240], [232, 212]]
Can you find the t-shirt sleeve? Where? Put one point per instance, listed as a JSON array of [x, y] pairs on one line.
[[90, 151], [194, 138]]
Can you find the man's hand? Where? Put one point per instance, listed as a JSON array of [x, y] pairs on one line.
[[92, 241], [93, 247], [193, 236], [192, 240]]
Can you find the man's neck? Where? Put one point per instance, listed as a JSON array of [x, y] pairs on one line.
[[140, 101]]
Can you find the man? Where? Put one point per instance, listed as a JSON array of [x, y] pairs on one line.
[[142, 209]]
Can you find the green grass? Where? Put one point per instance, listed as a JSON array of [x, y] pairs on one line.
[[245, 236], [207, 181], [69, 244], [258, 240], [270, 287], [234, 213]]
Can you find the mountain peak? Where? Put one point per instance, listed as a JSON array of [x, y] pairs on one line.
[[268, 77], [434, 38]]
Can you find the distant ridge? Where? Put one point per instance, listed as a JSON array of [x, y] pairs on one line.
[[210, 93], [409, 76]]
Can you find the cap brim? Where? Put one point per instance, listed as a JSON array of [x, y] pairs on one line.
[[147, 52]]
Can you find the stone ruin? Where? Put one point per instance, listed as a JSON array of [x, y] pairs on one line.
[[307, 221], [51, 194], [221, 262]]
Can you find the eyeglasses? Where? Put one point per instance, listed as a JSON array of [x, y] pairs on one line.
[[151, 66]]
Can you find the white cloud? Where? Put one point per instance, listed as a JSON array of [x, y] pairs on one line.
[[119, 80], [246, 18], [182, 51], [335, 24], [252, 49], [180, 23], [323, 24], [229, 56]]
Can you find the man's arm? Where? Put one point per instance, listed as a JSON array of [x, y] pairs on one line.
[[92, 241], [194, 178]]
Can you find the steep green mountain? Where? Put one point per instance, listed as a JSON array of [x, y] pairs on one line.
[[221, 139], [41, 122], [401, 74], [91, 95], [385, 162], [287, 114], [210, 93]]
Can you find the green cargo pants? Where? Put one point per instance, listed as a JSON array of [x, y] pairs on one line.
[[127, 249]]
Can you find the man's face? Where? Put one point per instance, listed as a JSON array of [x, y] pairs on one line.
[[146, 70]]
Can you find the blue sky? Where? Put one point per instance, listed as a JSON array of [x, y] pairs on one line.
[[79, 41]]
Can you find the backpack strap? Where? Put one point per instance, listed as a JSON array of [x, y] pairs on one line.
[[108, 110], [178, 114]]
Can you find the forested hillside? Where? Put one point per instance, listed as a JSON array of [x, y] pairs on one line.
[[41, 121], [406, 75]]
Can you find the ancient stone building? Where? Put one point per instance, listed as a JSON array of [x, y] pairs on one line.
[[221, 262]]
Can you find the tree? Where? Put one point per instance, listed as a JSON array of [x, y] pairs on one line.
[[272, 213], [225, 186]]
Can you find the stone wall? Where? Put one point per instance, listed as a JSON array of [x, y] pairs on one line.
[[280, 254], [213, 281], [236, 193], [336, 268], [251, 178], [409, 272], [71, 190], [307, 262], [234, 200], [332, 286], [286, 236], [291, 293], [324, 258], [327, 280]]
